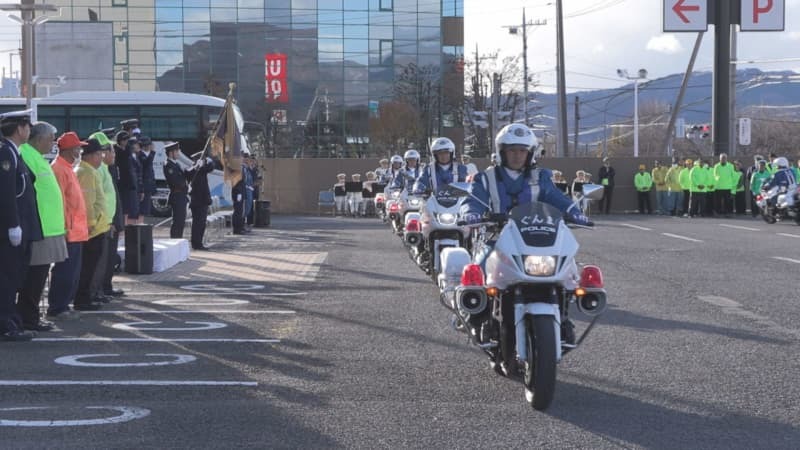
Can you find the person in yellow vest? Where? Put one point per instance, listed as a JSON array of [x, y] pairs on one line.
[[643, 183], [697, 201], [710, 188], [674, 190], [724, 183], [660, 180], [737, 190], [685, 181]]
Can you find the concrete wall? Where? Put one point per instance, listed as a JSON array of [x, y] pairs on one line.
[[292, 185]]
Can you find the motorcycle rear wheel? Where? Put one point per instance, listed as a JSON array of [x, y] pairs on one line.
[[768, 218], [540, 367]]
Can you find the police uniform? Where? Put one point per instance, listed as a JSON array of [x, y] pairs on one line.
[[17, 209], [176, 178], [199, 202]]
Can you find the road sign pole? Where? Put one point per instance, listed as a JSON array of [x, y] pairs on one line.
[[722, 78]]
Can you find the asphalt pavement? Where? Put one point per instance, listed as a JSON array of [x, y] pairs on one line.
[[320, 332]]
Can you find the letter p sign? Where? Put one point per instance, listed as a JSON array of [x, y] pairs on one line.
[[763, 15]]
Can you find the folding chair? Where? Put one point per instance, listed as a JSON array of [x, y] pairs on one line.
[[326, 200]]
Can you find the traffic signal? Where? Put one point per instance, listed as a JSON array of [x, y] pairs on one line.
[[706, 131]]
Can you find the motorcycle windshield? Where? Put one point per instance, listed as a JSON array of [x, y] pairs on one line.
[[446, 198], [537, 222]]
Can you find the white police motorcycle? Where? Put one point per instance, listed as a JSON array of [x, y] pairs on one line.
[[517, 310], [774, 206], [439, 230]]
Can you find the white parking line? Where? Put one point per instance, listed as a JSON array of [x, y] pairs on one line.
[[125, 383], [681, 237], [216, 294], [128, 413], [796, 261], [737, 227], [789, 235], [188, 311], [733, 307], [106, 339], [636, 226]]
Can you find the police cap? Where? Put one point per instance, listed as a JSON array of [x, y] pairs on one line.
[[145, 140], [172, 147], [122, 135], [16, 117], [130, 123]]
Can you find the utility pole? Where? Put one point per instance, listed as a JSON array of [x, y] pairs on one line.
[[512, 29], [496, 84], [27, 9], [577, 121], [732, 138], [722, 74], [563, 144]]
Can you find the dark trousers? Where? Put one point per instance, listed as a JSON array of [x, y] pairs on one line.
[[738, 202], [178, 202], [723, 202], [754, 209], [605, 202], [91, 254], [709, 204], [697, 205], [199, 216], [686, 196], [238, 216], [96, 288], [111, 261], [11, 271], [31, 293], [64, 279], [644, 201]]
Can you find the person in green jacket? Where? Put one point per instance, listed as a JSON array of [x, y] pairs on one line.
[[686, 185], [758, 178], [659, 174], [737, 190], [644, 183], [50, 204], [796, 170], [697, 189], [674, 190], [710, 189], [723, 184]]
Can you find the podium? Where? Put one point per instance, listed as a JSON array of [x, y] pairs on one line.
[[139, 249], [262, 214]]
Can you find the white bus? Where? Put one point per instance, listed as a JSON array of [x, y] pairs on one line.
[[163, 116]]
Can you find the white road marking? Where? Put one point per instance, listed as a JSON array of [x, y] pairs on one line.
[[136, 326], [128, 413], [108, 339], [190, 311], [636, 226], [75, 360], [126, 383], [796, 261], [733, 307], [681, 237], [737, 227], [194, 302], [789, 235], [216, 293], [224, 288]]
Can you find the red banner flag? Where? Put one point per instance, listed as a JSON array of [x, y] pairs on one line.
[[275, 68]]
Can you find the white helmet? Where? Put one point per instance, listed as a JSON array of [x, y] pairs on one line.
[[515, 134], [397, 159], [780, 162], [411, 154], [443, 144]]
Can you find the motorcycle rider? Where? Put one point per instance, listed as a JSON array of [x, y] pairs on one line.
[[516, 180], [411, 169], [784, 178], [396, 164], [382, 171], [443, 168]]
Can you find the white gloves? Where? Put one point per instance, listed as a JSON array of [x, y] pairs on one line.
[[209, 160], [199, 163], [238, 197], [15, 236]]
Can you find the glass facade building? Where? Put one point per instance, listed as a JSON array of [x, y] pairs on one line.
[[342, 58]]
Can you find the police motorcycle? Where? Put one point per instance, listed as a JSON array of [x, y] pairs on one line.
[[438, 230], [517, 310], [774, 207]]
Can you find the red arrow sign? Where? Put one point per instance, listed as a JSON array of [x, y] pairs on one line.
[[679, 9]]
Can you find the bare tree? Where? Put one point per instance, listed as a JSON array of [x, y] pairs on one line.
[[420, 88], [396, 123]]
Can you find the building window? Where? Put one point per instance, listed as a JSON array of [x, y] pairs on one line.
[[119, 2], [387, 53], [386, 5], [452, 8]]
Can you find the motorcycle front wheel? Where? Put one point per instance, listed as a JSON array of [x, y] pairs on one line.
[[540, 364]]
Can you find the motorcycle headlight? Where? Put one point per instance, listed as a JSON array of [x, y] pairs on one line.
[[414, 202], [540, 266], [447, 218]]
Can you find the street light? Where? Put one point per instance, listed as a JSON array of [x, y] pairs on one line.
[[642, 75]]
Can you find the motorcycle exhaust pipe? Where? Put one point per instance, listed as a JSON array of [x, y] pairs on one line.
[[592, 302], [471, 300]]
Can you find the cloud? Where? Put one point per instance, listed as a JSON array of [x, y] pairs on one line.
[[791, 36], [599, 48], [666, 43]]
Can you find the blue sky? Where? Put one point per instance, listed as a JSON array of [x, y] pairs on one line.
[[604, 35]]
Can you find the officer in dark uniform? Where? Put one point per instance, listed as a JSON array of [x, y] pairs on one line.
[[19, 220], [200, 200], [177, 178]]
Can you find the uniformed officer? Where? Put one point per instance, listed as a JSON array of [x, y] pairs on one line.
[[177, 180], [200, 200], [19, 220]]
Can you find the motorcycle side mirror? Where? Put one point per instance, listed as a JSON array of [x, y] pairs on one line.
[[593, 191]]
